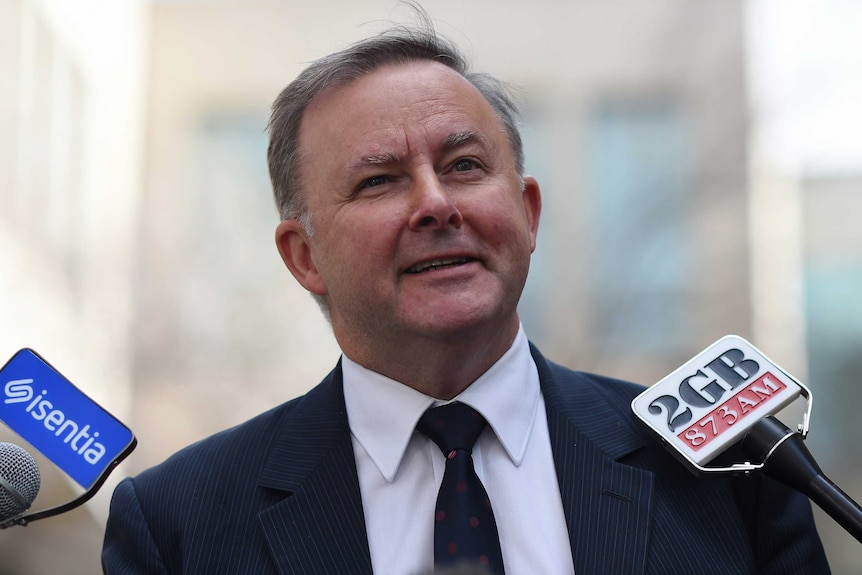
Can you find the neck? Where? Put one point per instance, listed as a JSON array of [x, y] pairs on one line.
[[439, 368]]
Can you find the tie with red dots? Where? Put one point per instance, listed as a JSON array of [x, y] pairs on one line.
[[464, 529]]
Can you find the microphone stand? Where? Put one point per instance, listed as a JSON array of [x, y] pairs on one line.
[[787, 460]]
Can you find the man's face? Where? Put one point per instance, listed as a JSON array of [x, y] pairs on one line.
[[420, 225]]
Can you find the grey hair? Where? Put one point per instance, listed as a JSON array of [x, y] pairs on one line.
[[397, 45]]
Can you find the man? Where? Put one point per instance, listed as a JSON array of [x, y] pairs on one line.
[[405, 212]]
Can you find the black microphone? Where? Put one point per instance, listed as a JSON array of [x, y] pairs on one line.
[[19, 480], [725, 397], [787, 460]]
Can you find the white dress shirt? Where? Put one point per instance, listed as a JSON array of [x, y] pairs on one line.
[[400, 470]]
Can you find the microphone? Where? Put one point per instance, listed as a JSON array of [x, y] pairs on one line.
[[71, 430], [19, 480], [725, 397], [788, 461]]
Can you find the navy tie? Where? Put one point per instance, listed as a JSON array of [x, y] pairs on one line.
[[464, 528]]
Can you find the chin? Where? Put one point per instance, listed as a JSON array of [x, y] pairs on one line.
[[462, 322]]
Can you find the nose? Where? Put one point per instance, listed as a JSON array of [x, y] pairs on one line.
[[434, 208]]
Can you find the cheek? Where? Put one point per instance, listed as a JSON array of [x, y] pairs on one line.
[[504, 224], [364, 240]]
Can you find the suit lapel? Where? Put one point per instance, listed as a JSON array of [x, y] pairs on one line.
[[320, 526], [607, 503]]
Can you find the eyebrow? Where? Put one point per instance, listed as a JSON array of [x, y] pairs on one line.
[[459, 139], [387, 158]]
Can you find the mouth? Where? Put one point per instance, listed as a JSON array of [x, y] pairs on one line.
[[434, 265]]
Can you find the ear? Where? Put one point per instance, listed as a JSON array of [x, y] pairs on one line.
[[532, 198], [295, 249]]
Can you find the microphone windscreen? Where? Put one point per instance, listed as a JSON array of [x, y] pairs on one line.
[[19, 480]]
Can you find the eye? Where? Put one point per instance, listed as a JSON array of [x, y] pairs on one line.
[[373, 182], [465, 165]]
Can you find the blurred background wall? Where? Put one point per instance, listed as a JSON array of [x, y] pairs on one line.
[[698, 159]]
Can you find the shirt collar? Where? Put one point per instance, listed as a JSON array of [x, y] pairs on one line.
[[383, 412]]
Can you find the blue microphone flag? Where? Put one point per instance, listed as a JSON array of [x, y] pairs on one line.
[[54, 416]]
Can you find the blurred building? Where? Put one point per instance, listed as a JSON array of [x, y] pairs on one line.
[[137, 220], [72, 117]]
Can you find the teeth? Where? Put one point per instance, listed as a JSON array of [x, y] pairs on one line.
[[435, 264]]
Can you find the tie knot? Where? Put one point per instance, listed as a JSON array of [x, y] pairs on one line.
[[452, 426]]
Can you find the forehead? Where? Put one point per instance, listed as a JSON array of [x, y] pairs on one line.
[[396, 105]]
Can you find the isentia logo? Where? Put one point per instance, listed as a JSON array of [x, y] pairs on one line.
[[77, 437]]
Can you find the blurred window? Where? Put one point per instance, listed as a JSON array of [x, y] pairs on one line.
[[538, 150], [42, 142], [638, 162], [833, 307]]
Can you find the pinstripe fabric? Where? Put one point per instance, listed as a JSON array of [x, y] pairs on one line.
[[322, 523], [279, 494], [607, 504]]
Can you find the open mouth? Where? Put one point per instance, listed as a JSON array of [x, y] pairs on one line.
[[436, 265]]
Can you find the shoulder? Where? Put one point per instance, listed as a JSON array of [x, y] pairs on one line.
[[587, 396], [192, 506], [580, 381], [238, 454], [149, 521], [219, 454], [613, 389]]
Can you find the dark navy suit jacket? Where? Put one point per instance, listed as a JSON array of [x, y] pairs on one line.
[[279, 494]]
